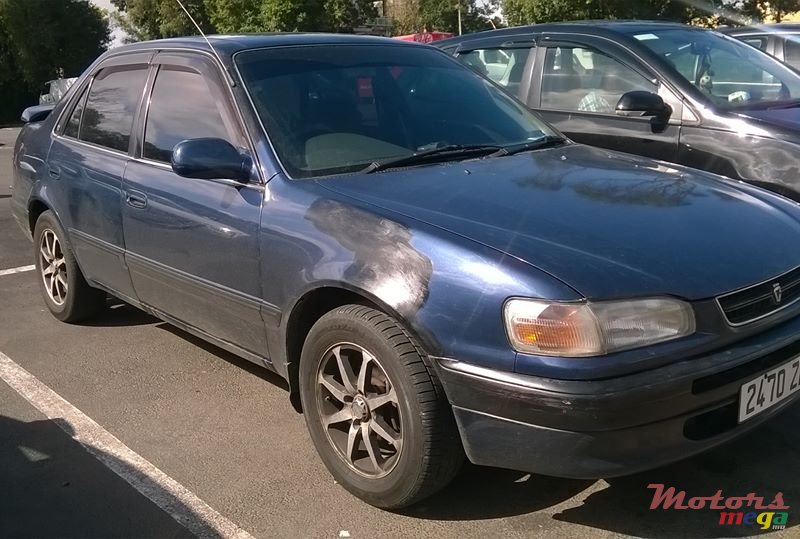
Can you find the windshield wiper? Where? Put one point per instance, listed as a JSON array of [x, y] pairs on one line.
[[538, 144], [456, 151]]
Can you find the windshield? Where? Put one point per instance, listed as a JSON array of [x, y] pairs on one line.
[[732, 74], [336, 109]]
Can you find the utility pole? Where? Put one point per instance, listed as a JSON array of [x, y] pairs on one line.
[[459, 18]]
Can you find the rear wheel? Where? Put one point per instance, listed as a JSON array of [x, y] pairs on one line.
[[65, 291], [375, 413]]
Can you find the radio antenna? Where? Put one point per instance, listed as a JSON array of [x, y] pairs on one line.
[[213, 50]]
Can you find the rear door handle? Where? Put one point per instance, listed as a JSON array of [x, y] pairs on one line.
[[54, 172], [136, 199]]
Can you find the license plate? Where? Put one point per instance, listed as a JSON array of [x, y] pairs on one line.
[[769, 389]]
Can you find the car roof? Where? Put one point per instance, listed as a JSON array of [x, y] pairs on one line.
[[229, 44], [774, 28], [605, 28]]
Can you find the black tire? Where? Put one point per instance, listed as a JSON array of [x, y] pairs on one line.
[[79, 301], [431, 452]]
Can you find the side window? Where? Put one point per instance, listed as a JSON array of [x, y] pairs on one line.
[[74, 122], [759, 42], [503, 66], [791, 52], [585, 80], [173, 118], [108, 114]]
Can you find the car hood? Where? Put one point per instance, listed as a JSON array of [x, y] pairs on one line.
[[607, 224]]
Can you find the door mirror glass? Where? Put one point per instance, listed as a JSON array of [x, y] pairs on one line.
[[36, 113], [642, 104], [209, 159]]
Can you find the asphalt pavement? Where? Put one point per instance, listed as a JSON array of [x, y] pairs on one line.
[[224, 430]]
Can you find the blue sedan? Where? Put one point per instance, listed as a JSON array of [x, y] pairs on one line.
[[436, 272]]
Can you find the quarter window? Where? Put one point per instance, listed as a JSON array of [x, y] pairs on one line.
[[503, 66], [183, 106], [108, 115], [792, 51], [585, 80], [74, 122], [759, 42]]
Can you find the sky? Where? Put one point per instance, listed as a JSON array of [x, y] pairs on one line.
[[116, 34]]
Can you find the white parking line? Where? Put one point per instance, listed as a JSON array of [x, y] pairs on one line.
[[172, 497], [17, 270]]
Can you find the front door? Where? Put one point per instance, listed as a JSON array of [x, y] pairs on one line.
[[579, 87], [192, 245]]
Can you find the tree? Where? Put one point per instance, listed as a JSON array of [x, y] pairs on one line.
[[442, 15], [760, 10], [518, 12], [156, 19], [346, 15], [52, 38], [41, 40]]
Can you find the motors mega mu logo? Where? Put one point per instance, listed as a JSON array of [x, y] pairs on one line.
[[749, 510]]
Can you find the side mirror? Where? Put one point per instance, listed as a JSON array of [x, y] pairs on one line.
[[36, 113], [210, 159], [642, 104]]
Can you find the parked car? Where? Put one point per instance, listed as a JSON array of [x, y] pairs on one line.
[[664, 90], [781, 40], [433, 269]]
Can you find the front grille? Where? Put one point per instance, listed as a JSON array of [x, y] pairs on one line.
[[760, 300]]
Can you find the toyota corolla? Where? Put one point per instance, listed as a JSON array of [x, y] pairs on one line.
[[436, 272]]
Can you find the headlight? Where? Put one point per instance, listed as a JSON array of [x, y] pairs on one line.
[[554, 328]]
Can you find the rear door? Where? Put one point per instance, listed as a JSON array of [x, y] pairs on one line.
[[87, 160], [577, 83], [192, 245]]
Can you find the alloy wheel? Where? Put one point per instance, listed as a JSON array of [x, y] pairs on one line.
[[53, 267], [359, 410]]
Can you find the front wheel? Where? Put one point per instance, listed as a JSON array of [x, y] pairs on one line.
[[65, 291], [374, 411]]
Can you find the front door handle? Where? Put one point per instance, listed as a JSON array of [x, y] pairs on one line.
[[136, 199], [54, 172]]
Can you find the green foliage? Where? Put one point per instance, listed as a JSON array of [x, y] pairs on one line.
[[156, 19], [773, 10], [42, 40], [711, 12], [442, 16]]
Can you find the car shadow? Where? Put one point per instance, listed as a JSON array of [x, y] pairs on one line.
[[53, 487], [262, 372], [764, 462], [118, 314], [480, 493]]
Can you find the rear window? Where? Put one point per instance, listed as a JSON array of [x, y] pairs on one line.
[[108, 114]]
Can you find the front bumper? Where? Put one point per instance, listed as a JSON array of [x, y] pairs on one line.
[[612, 427]]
